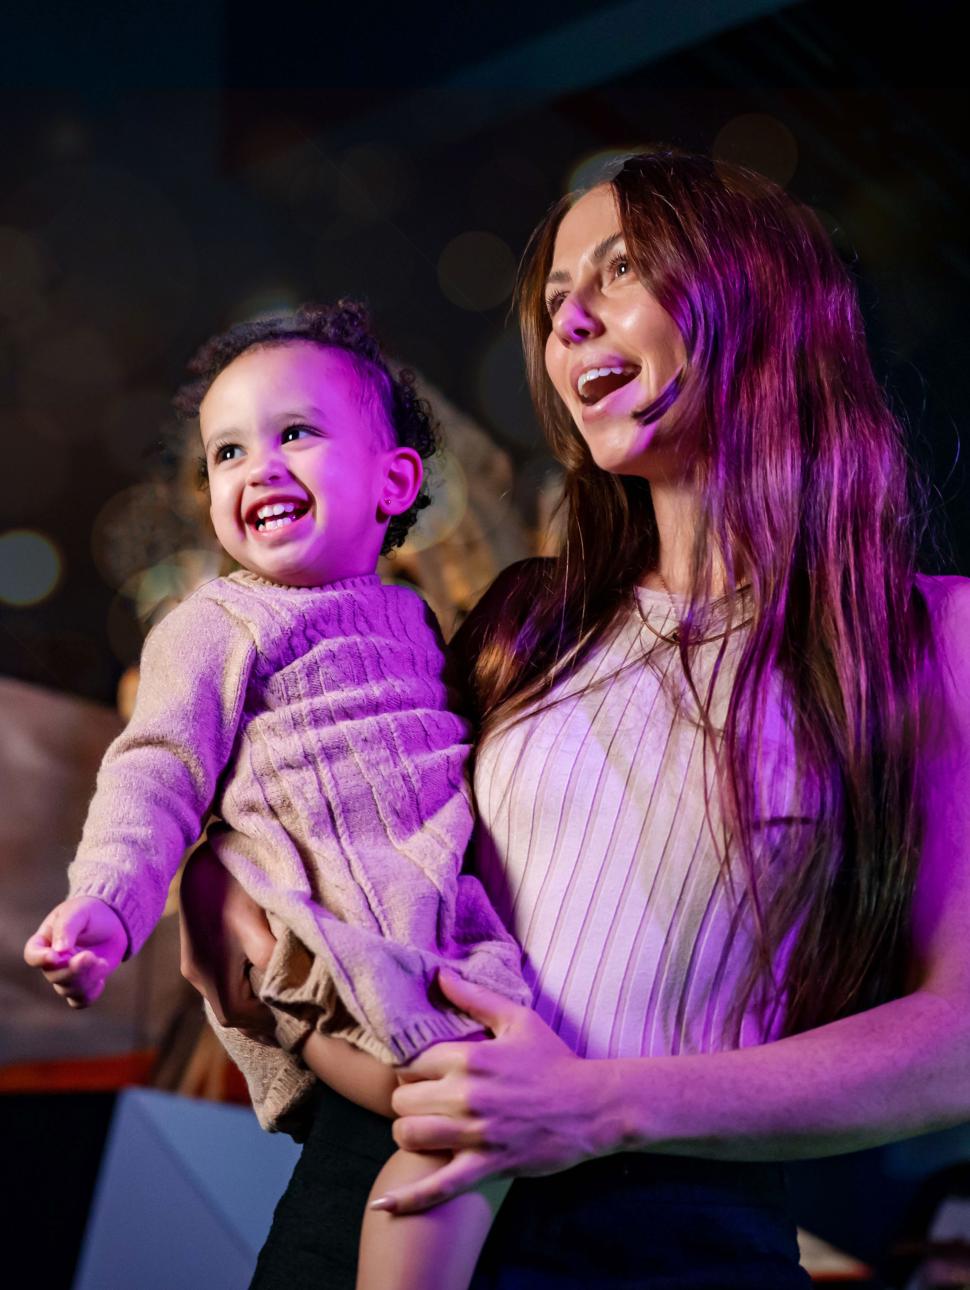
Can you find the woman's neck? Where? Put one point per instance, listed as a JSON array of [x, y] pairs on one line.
[[677, 508]]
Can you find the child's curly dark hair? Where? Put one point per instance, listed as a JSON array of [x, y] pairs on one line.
[[345, 325]]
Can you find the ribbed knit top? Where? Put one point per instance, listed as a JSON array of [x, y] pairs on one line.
[[596, 848]]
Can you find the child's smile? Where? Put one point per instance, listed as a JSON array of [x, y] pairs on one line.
[[271, 515], [297, 455]]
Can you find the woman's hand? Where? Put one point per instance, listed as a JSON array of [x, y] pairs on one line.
[[223, 934], [521, 1103]]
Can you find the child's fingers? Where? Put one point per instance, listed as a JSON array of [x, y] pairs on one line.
[[68, 925], [82, 980], [37, 951]]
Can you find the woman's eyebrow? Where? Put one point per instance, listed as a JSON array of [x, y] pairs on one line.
[[599, 253]]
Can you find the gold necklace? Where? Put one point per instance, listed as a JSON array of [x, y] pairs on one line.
[[671, 638]]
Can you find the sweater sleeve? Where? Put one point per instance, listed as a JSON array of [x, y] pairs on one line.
[[158, 778]]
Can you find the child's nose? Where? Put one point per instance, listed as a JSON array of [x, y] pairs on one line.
[[265, 467]]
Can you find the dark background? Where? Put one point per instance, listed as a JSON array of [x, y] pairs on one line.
[[165, 171], [168, 169]]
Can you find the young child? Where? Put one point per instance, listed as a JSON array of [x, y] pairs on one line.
[[303, 701]]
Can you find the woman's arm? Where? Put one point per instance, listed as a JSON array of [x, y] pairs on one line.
[[524, 1104]]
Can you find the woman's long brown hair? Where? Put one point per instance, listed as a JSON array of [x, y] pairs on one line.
[[805, 491]]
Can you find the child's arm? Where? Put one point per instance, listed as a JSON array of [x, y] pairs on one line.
[[77, 947], [155, 786], [158, 779]]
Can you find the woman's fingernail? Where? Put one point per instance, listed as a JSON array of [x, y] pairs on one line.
[[383, 1202]]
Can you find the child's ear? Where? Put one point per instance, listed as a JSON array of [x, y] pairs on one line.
[[403, 473]]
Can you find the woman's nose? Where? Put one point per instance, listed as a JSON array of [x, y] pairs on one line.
[[574, 321]]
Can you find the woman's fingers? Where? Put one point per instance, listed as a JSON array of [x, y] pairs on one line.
[[223, 932], [491, 1009], [436, 1133], [436, 1062], [460, 1174]]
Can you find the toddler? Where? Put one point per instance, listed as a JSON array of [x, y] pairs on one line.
[[302, 701]]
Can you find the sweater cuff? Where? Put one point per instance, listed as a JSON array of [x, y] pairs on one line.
[[410, 1040], [116, 893]]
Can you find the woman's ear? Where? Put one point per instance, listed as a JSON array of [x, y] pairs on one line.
[[403, 473]]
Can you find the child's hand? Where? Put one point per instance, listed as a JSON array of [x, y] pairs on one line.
[[77, 947]]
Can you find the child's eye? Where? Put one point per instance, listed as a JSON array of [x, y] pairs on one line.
[[296, 432], [227, 452]]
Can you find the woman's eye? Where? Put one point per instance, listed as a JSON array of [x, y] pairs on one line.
[[619, 266], [554, 301]]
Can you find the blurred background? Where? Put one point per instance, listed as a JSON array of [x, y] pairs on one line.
[[168, 170]]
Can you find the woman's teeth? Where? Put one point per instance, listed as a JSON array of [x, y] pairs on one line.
[[597, 382]]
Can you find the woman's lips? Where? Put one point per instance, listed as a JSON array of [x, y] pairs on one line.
[[596, 383], [621, 400]]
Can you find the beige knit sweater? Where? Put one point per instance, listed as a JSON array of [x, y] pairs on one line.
[[314, 722]]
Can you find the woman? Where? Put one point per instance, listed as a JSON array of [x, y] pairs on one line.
[[721, 766]]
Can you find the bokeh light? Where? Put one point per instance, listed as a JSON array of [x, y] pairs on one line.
[[760, 142], [270, 300], [140, 527], [148, 595], [449, 502], [595, 167], [476, 270], [30, 567], [168, 583]]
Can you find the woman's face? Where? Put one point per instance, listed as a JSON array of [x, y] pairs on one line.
[[612, 349]]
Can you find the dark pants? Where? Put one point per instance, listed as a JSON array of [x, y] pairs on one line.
[[630, 1220]]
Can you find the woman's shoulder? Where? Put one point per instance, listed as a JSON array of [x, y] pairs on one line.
[[938, 589], [505, 601], [947, 600], [514, 584]]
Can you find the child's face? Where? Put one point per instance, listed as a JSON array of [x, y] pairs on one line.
[[293, 428]]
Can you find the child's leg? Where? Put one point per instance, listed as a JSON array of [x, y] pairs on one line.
[[434, 1250], [353, 1074]]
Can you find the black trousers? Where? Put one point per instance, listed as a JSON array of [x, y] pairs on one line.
[[629, 1220]]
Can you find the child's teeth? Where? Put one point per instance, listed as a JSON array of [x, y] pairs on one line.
[[273, 514]]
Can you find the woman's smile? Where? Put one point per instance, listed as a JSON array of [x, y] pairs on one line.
[[612, 349]]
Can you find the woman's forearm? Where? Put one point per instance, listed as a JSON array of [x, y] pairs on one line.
[[895, 1071]]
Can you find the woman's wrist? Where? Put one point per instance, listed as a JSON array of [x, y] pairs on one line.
[[609, 1099]]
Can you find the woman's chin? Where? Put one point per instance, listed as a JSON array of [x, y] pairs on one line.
[[622, 458]]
